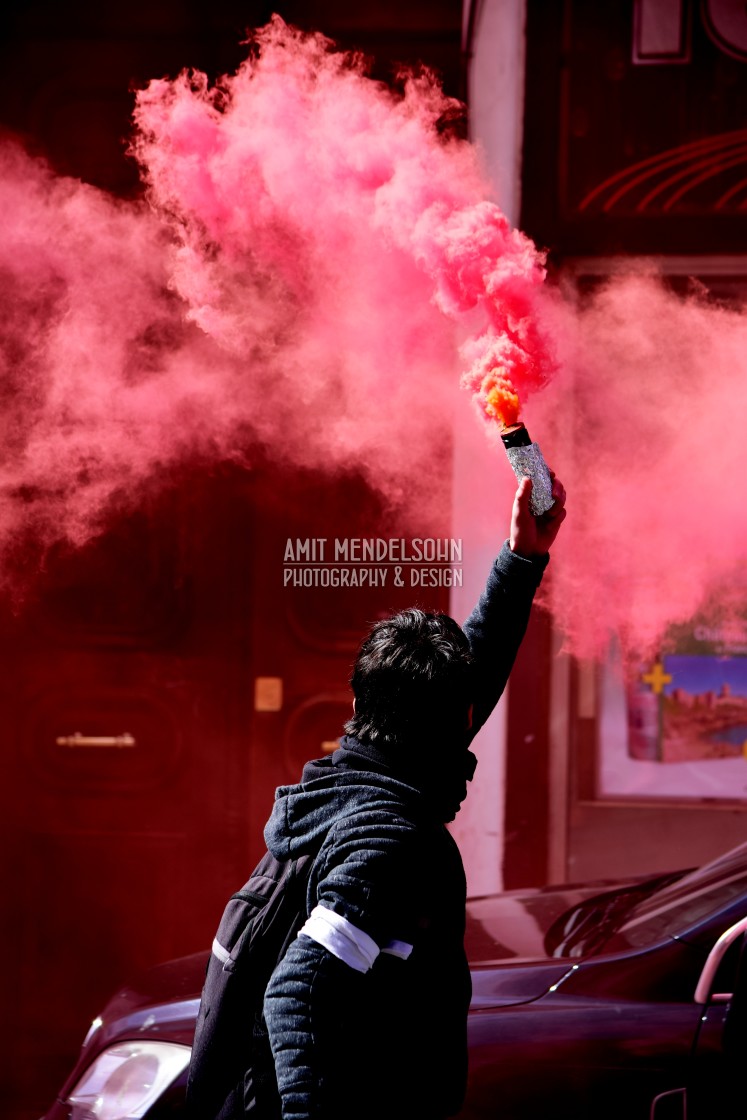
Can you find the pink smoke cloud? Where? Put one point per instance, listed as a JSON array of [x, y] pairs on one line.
[[288, 316], [313, 205], [91, 351], [314, 270], [646, 423]]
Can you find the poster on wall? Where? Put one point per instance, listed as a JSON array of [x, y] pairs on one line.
[[675, 726]]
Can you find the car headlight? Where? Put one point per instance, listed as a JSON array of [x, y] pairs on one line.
[[124, 1081]]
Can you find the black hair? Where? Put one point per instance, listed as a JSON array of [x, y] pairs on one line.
[[412, 681]]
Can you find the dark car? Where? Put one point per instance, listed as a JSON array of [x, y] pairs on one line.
[[609, 999]]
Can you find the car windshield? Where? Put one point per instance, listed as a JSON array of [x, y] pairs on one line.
[[548, 922], [587, 919], [650, 911], [684, 903]]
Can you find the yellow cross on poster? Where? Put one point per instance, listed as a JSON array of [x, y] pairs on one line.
[[657, 678]]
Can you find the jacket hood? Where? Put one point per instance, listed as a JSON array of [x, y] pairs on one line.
[[356, 776], [302, 813]]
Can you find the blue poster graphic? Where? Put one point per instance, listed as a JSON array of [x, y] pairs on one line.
[[676, 725]]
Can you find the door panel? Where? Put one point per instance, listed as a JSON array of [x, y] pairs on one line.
[[123, 776], [140, 761], [599, 1058]]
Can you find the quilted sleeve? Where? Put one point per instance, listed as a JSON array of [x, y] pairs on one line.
[[300, 1005], [497, 625], [315, 1002]]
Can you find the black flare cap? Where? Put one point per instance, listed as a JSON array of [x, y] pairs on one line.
[[516, 436]]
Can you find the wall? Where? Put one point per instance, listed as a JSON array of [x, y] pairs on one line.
[[482, 485]]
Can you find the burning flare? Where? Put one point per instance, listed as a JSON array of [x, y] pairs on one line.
[[501, 401]]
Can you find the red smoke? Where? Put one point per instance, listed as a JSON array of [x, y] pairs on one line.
[[308, 200], [646, 421], [315, 268], [94, 374]]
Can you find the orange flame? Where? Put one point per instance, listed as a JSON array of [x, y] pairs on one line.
[[499, 399]]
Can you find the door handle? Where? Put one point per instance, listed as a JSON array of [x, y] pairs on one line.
[[116, 742]]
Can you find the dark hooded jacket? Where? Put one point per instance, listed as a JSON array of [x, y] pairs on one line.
[[391, 1041]]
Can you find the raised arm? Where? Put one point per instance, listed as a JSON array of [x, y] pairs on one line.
[[497, 625]]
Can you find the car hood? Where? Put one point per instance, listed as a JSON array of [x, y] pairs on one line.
[[505, 941], [159, 1003], [511, 984], [512, 927], [167, 997], [172, 982]]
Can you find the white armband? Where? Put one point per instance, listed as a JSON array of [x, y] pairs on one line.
[[401, 949], [343, 940]]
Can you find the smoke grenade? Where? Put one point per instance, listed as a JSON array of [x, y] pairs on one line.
[[527, 461]]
